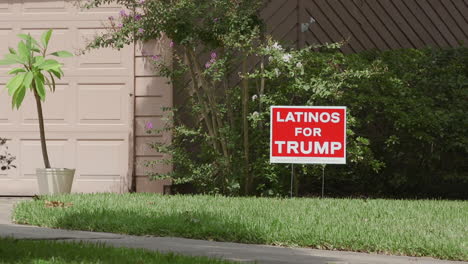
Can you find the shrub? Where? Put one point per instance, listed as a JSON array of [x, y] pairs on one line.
[[406, 119], [407, 114], [407, 123], [6, 159]]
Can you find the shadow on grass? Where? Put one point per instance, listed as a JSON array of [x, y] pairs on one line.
[[40, 251], [189, 224]]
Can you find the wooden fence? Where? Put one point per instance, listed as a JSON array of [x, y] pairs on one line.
[[369, 24]]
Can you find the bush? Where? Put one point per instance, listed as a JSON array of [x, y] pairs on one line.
[[414, 115], [407, 117], [407, 123], [6, 159]]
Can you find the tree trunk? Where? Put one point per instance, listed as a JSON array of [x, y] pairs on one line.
[[45, 156], [245, 111]]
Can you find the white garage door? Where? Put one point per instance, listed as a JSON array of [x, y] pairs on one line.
[[87, 119]]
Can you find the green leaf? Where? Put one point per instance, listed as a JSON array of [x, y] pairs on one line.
[[14, 83], [57, 73], [48, 64], [38, 60], [27, 38], [12, 51], [39, 81], [62, 54], [52, 88], [45, 37], [23, 51], [16, 58], [28, 78], [18, 96], [16, 70]]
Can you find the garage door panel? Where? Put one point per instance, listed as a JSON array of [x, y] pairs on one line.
[[99, 157], [31, 156], [87, 118], [56, 108], [6, 34], [100, 58], [94, 186], [102, 103], [6, 112], [43, 7], [18, 186], [6, 7]]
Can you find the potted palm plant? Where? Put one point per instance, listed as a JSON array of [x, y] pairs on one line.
[[34, 74]]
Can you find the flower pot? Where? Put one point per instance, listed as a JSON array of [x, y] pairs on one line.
[[55, 180]]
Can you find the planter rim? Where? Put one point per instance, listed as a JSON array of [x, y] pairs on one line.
[[55, 169]]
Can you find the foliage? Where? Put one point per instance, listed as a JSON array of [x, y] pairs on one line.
[[34, 73], [406, 118], [6, 159], [228, 32], [434, 228], [407, 110], [414, 114]]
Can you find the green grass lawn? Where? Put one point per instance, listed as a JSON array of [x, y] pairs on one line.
[[434, 228], [41, 252]]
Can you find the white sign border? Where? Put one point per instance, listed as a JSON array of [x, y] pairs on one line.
[[307, 160]]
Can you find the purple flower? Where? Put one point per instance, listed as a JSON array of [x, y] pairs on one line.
[[213, 55], [140, 30], [123, 13], [149, 126], [212, 61], [120, 25], [137, 17], [156, 57], [171, 44], [207, 65], [215, 19], [142, 1]]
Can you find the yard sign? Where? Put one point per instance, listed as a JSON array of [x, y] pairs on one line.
[[308, 134]]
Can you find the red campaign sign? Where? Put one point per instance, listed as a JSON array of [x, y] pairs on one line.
[[308, 134]]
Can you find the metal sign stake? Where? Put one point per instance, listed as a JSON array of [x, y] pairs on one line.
[[292, 177], [323, 179]]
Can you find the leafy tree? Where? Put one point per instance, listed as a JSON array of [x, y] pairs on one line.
[[34, 73], [227, 31]]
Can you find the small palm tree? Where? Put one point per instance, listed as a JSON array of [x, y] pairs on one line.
[[35, 72]]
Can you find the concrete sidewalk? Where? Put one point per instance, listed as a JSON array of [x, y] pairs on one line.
[[232, 251]]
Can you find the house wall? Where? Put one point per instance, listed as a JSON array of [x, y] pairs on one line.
[[152, 93], [87, 119], [128, 75]]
